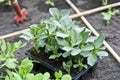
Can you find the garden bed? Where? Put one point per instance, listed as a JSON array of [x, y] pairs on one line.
[[108, 68]]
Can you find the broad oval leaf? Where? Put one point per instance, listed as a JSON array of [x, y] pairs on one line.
[[102, 53], [66, 54], [75, 51], [92, 59], [46, 76], [99, 41], [55, 13], [11, 63], [66, 77], [17, 76], [58, 75], [39, 76], [62, 35], [30, 76], [64, 12], [87, 47], [67, 48], [85, 53]]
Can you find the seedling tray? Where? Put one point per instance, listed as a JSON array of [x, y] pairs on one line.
[[53, 68]]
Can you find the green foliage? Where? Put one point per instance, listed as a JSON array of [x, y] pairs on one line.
[[2, 1], [7, 53], [108, 15], [58, 74], [25, 67], [61, 33], [66, 77], [104, 2], [7, 2], [67, 66], [24, 73], [79, 63], [49, 2]]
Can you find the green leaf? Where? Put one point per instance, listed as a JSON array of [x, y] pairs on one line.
[[84, 34], [79, 29], [66, 20], [3, 46], [2, 57], [74, 37], [65, 12], [91, 39], [55, 56], [9, 72], [75, 51], [17, 44], [54, 12], [66, 54], [11, 48], [102, 48], [17, 76], [62, 35], [27, 36], [102, 53], [85, 53], [49, 2], [46, 76], [11, 63], [58, 75], [75, 65], [66, 77], [30, 76], [87, 47], [115, 12], [25, 67], [2, 1], [62, 42], [67, 48], [99, 41], [92, 59], [39, 76]]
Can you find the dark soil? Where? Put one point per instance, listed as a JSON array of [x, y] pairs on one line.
[[107, 69]]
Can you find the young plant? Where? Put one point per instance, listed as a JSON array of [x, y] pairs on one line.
[[79, 63], [7, 2], [7, 50], [104, 2], [67, 66], [49, 2], [60, 36], [24, 73], [59, 75], [35, 32], [93, 53], [108, 15]]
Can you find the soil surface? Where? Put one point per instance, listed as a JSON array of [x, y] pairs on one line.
[[107, 69]]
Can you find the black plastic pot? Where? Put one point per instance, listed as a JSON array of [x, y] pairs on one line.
[[53, 68]]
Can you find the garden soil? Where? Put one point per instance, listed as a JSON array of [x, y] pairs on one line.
[[107, 69]]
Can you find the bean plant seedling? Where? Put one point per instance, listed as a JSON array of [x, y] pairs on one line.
[[108, 15], [7, 53], [104, 2], [50, 2], [24, 73], [7, 2], [21, 70], [65, 38]]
